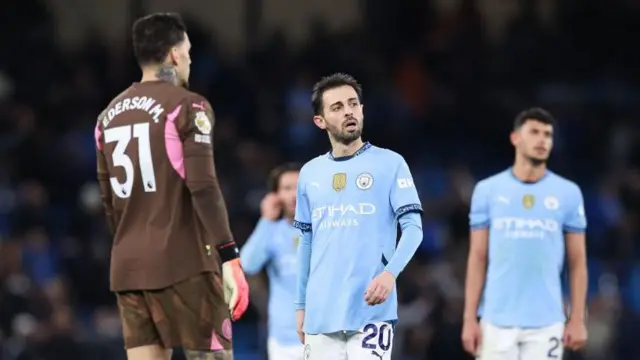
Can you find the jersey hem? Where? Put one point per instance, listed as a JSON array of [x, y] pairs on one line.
[[479, 226]]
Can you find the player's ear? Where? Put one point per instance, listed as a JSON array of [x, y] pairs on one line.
[[319, 121], [174, 55], [515, 137]]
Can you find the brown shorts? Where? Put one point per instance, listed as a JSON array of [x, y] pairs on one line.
[[191, 314]]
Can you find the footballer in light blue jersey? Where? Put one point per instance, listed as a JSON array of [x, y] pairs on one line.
[[523, 222], [272, 245], [349, 204]]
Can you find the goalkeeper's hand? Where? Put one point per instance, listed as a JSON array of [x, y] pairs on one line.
[[236, 289]]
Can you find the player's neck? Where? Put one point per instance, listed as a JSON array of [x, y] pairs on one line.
[[160, 73], [340, 150], [528, 172]]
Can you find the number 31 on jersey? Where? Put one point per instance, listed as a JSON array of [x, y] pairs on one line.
[[122, 135]]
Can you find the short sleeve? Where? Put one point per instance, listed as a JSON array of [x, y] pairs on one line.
[[576, 219], [479, 212], [404, 195], [302, 219]]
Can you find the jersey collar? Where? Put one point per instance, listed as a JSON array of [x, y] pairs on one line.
[[366, 146], [544, 176]]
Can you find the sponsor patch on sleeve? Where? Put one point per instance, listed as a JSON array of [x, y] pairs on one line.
[[202, 122]]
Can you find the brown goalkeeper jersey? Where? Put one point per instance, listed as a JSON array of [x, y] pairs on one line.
[[159, 187]]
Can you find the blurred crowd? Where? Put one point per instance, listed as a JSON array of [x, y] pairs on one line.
[[442, 82]]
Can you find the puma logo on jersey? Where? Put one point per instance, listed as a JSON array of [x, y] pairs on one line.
[[199, 106]]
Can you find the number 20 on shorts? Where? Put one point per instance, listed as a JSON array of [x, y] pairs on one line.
[[377, 337]]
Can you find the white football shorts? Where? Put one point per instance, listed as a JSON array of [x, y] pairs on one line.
[[373, 342], [521, 344], [276, 351]]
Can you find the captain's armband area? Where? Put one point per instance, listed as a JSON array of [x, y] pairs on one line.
[[304, 227], [411, 208]]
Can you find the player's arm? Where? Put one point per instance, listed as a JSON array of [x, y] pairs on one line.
[[200, 174], [478, 243], [574, 228], [104, 182], [196, 134], [255, 254], [302, 221], [407, 207]]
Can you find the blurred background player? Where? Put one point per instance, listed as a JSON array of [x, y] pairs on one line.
[[349, 203], [273, 245], [163, 202], [522, 221]]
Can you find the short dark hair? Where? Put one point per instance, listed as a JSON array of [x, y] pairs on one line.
[[534, 113], [154, 35], [331, 82], [273, 183]]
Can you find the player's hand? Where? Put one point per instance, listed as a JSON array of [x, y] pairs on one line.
[[271, 207], [380, 288], [299, 324], [575, 335], [471, 337], [236, 289]]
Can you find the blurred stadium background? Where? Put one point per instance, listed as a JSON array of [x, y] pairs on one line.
[[443, 80]]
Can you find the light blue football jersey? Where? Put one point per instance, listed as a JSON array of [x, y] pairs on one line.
[[348, 209], [273, 245], [527, 223]]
